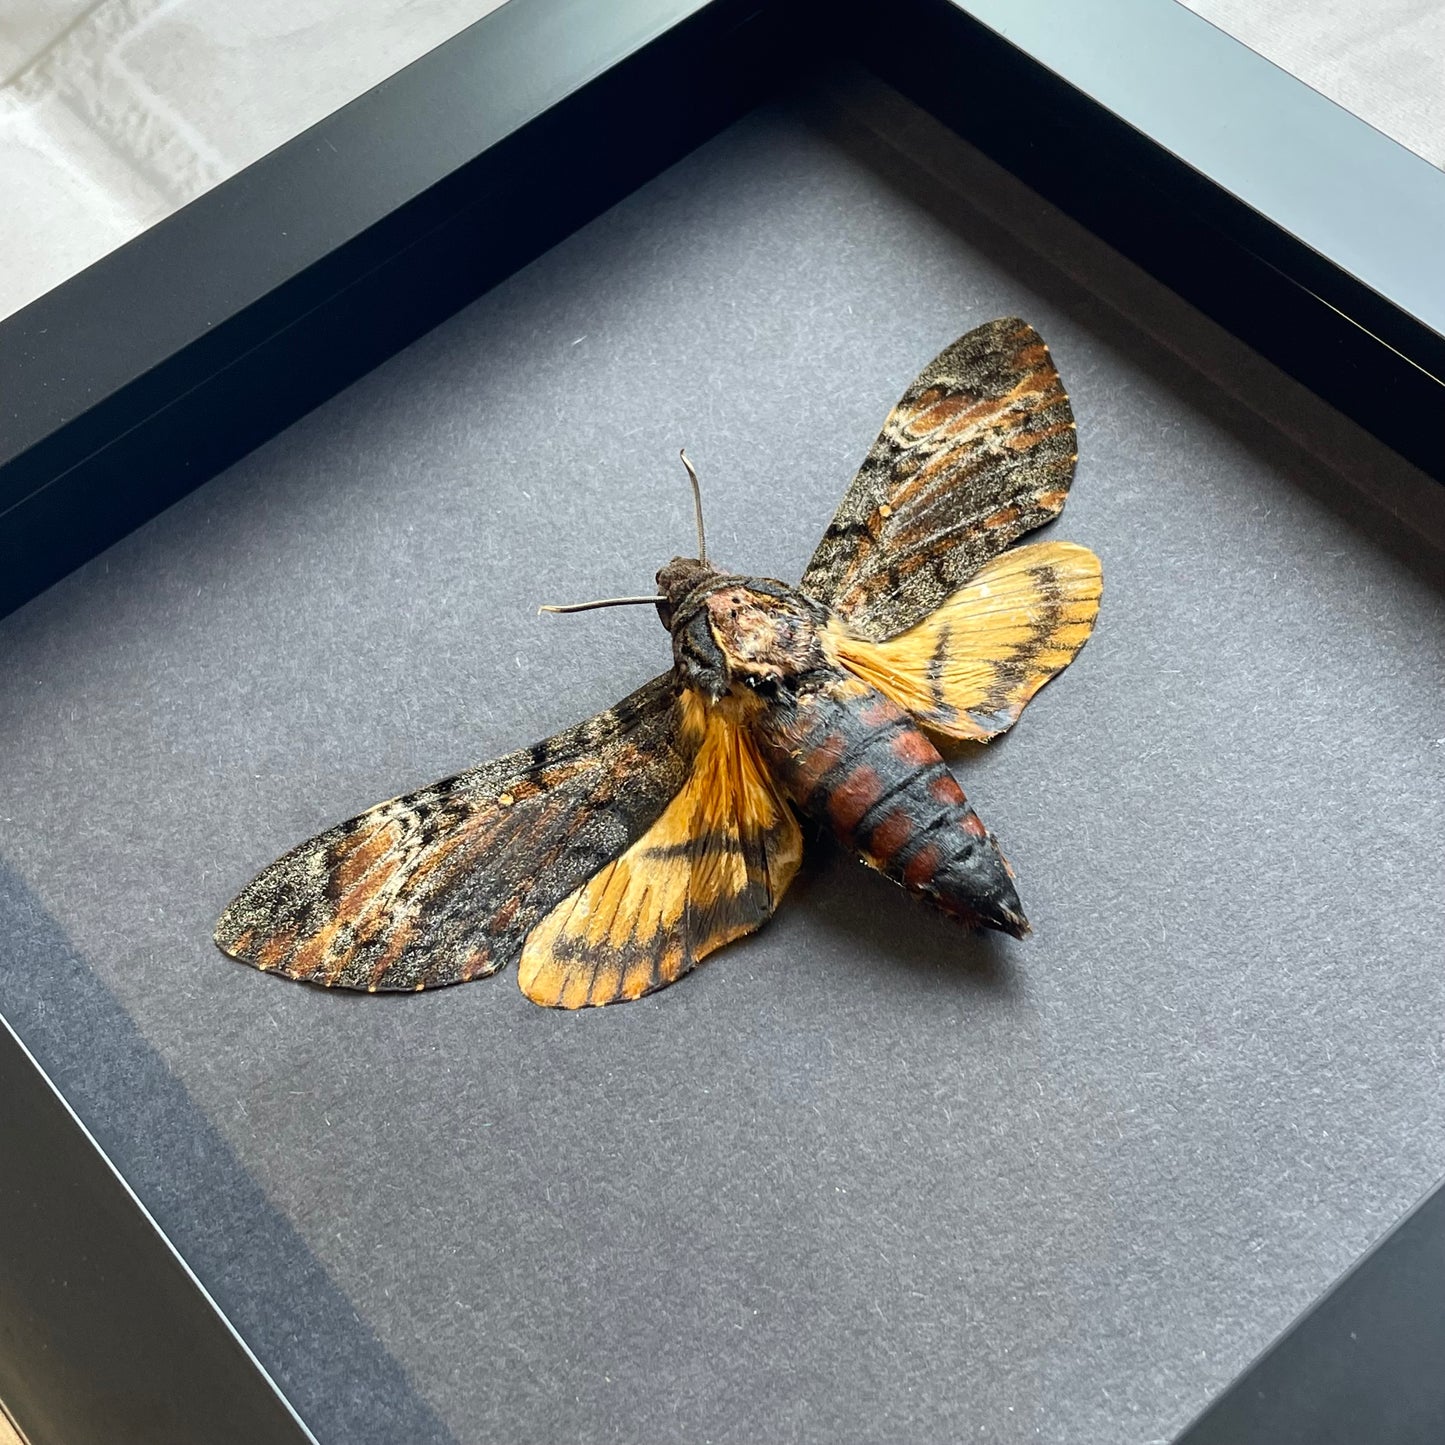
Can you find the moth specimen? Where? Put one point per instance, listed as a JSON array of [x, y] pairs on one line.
[[607, 861]]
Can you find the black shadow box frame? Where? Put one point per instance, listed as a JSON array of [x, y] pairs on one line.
[[1309, 235]]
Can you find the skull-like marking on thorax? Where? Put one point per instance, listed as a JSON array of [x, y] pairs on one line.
[[745, 634]]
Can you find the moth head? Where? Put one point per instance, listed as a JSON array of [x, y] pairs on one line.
[[684, 575], [676, 581]]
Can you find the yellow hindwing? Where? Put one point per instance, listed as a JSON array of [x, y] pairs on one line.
[[968, 669], [712, 868]]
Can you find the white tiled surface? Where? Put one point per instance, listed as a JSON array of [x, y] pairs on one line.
[[113, 113], [1383, 60]]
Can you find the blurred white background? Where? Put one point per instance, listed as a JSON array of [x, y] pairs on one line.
[[114, 113]]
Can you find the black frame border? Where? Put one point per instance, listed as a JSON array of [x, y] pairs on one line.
[[106, 1334], [140, 378]]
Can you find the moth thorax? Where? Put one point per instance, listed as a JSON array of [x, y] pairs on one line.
[[766, 632]]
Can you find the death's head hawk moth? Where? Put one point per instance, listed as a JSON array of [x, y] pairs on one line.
[[608, 860]]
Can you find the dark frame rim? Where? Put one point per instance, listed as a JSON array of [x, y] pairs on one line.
[[135, 1304], [334, 251]]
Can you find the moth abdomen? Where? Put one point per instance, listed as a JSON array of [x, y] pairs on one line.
[[850, 757]]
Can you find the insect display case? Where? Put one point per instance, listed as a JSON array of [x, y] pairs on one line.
[[865, 1175]]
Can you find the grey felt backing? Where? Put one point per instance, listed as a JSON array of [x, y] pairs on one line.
[[863, 1176]]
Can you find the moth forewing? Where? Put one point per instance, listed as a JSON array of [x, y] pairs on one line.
[[443, 885], [978, 451]]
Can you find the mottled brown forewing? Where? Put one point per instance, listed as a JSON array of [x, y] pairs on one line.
[[980, 450], [443, 885]]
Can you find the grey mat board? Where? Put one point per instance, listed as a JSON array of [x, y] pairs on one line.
[[177, 1161], [860, 1177]]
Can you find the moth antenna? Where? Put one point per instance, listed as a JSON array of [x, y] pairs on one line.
[[603, 602], [696, 505]]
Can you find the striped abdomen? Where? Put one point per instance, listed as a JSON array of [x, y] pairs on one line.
[[847, 755]]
